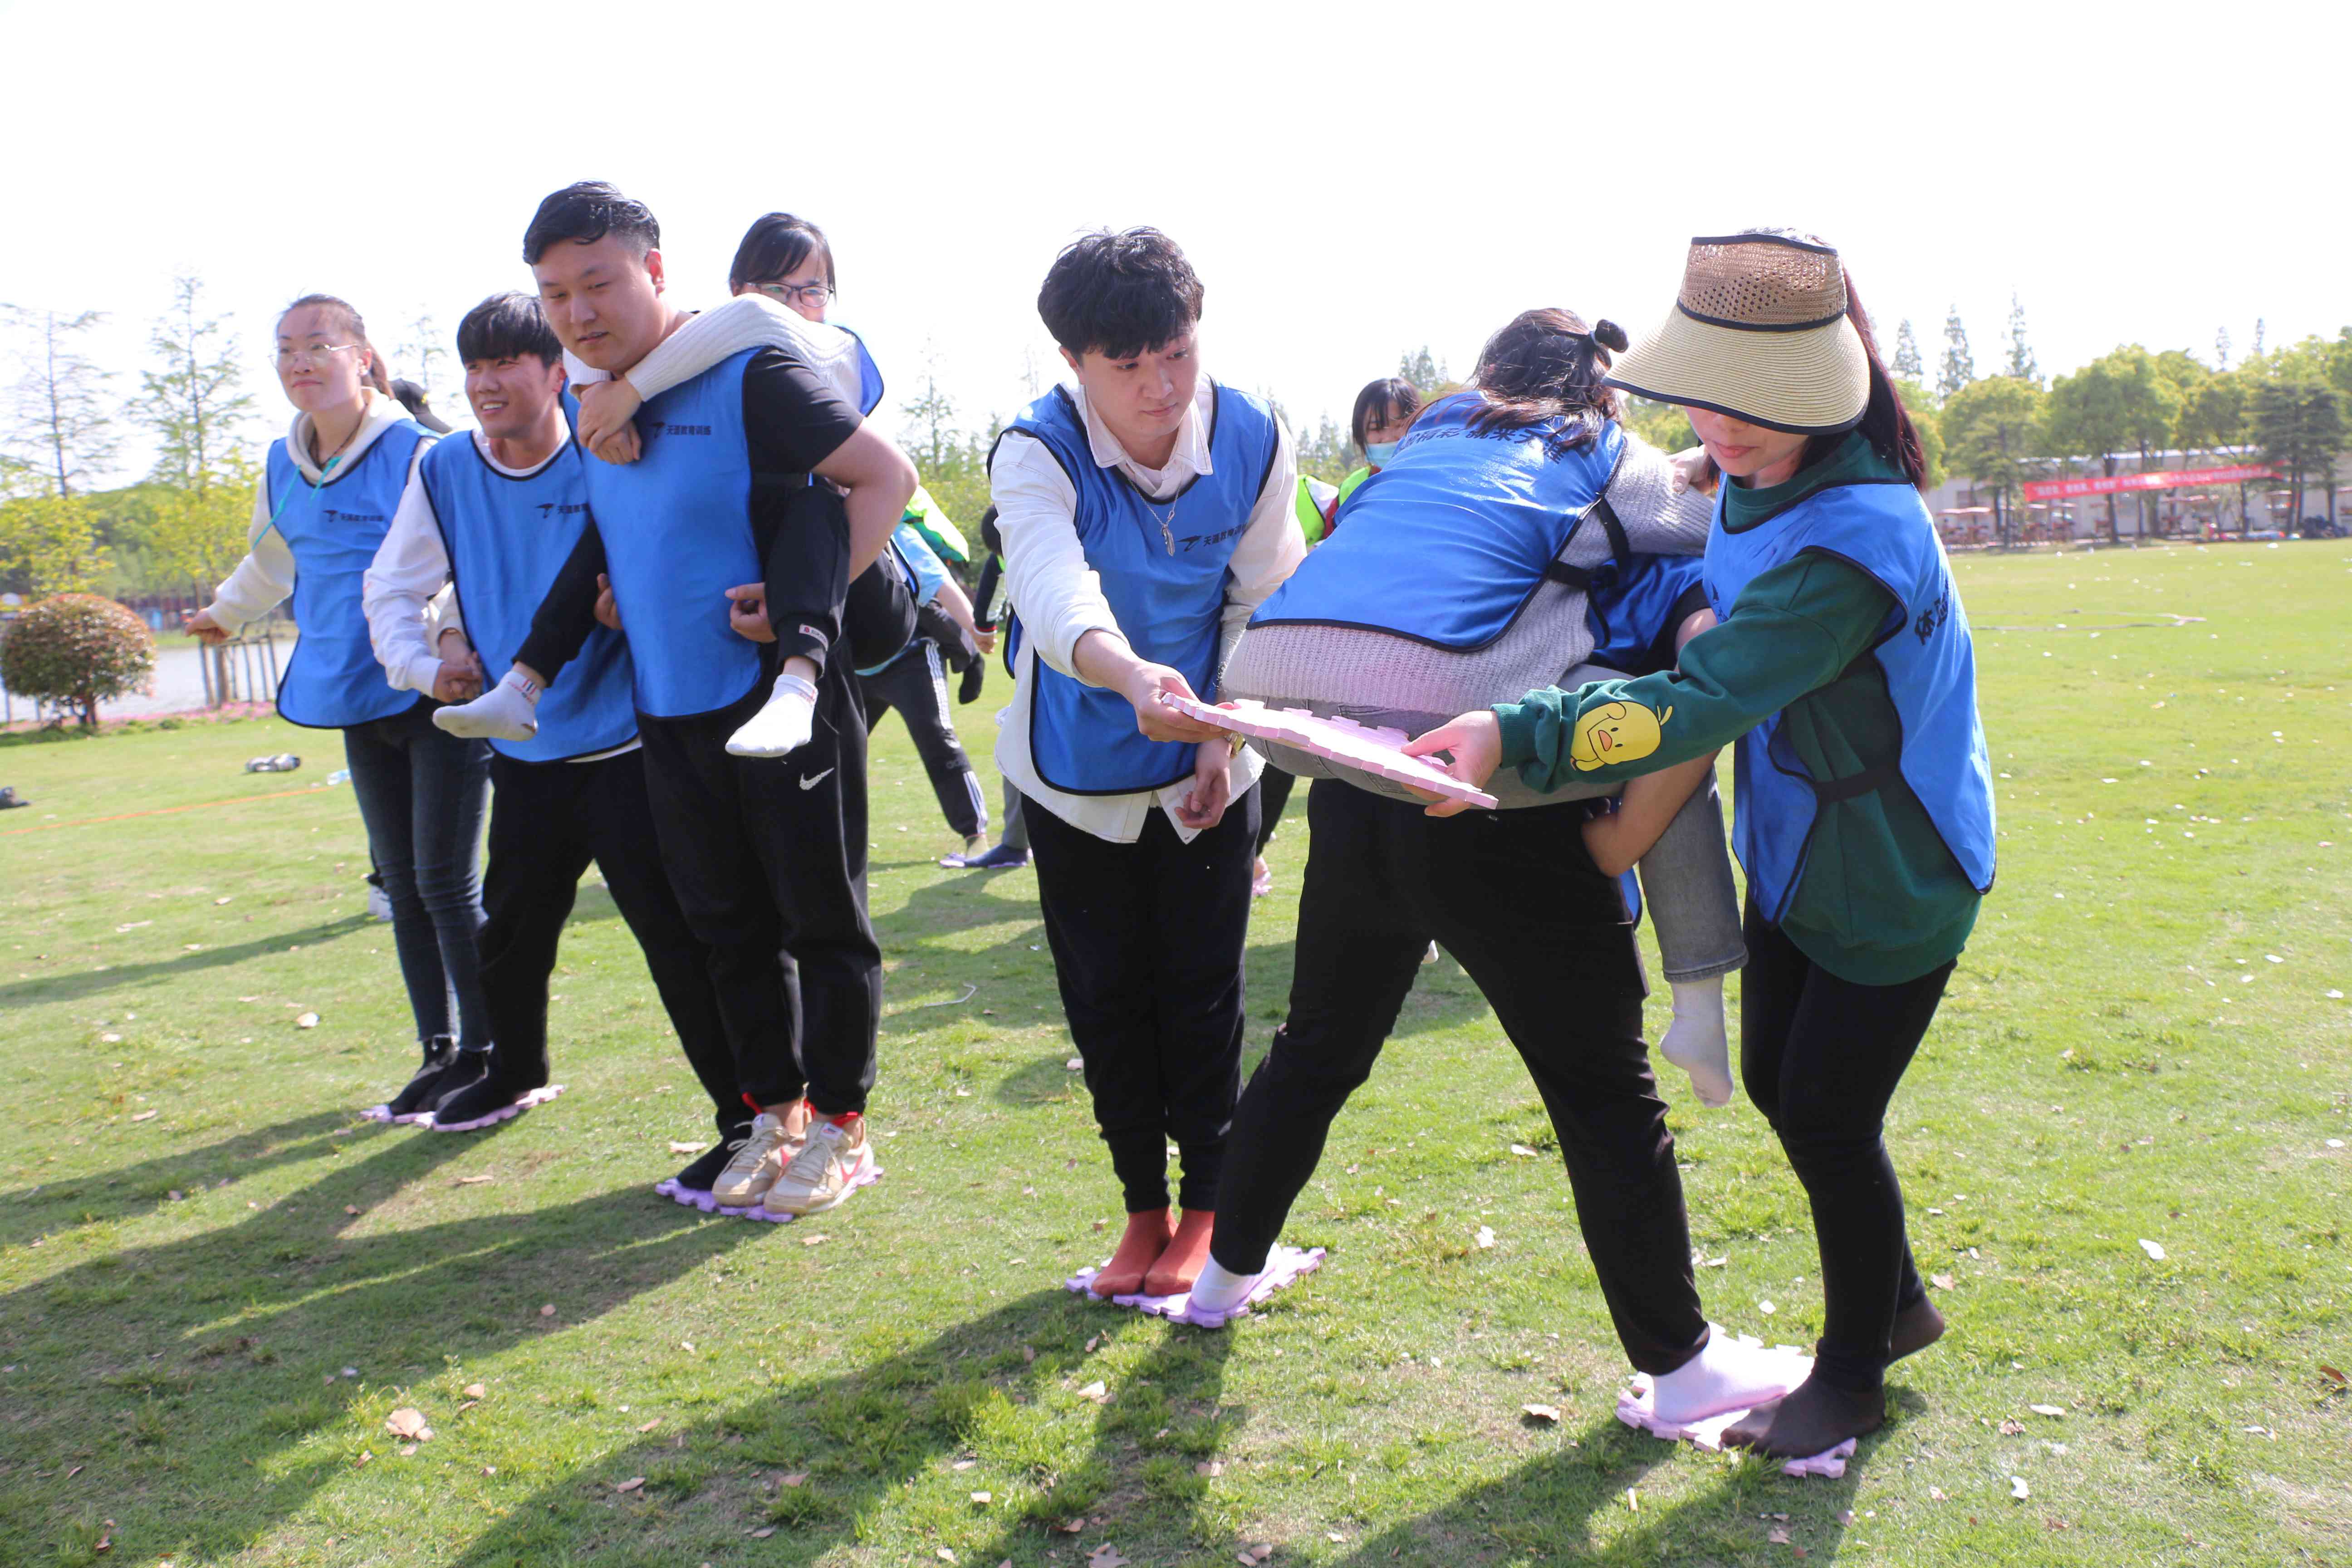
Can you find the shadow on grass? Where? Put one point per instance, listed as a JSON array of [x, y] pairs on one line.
[[84, 982], [989, 1391], [127, 1191], [1582, 1504], [186, 1375]]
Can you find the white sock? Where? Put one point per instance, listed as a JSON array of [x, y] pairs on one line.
[[1219, 1289], [1725, 1375], [783, 726], [507, 711], [1696, 1041]]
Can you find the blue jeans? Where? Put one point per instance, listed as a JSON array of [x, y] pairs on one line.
[[422, 792]]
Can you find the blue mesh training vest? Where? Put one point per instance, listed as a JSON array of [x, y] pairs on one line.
[[1882, 528], [333, 529], [1448, 541], [676, 525], [506, 538], [1163, 569]]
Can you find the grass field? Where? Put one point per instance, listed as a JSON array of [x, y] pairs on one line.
[[215, 1285]]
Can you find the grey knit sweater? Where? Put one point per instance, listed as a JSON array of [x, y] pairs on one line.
[[1375, 678]]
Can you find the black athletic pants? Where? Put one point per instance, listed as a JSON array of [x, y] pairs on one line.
[[1274, 794], [1516, 898], [916, 683], [768, 857], [548, 821], [1821, 1057], [1148, 940]]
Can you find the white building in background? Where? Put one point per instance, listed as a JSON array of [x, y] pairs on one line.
[[1965, 509]]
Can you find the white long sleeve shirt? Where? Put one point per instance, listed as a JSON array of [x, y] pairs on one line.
[[410, 594], [266, 576], [1059, 597], [746, 322]]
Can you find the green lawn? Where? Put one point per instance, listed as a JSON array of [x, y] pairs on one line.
[[215, 1285]]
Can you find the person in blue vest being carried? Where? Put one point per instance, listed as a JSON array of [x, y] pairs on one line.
[[327, 499], [1863, 808], [768, 855], [495, 514], [1144, 512]]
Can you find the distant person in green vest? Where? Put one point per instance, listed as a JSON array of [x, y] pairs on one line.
[[1384, 409], [1844, 669]]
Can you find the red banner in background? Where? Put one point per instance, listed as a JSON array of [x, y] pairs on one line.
[[2160, 479]]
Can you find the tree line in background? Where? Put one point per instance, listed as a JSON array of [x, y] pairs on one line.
[[182, 528]]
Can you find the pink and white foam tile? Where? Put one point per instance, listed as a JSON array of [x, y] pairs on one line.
[[1283, 1267], [1374, 750], [1635, 1408], [503, 1113]]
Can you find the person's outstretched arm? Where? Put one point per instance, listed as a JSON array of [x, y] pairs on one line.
[[567, 614]]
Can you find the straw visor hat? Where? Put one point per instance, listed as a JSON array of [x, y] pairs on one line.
[[1760, 332]]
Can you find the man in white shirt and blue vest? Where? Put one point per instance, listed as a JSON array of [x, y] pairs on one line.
[[1145, 512], [496, 515]]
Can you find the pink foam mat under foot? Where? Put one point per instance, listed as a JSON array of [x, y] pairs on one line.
[[687, 1197], [503, 1113], [1377, 752], [1284, 1265], [1634, 1408]]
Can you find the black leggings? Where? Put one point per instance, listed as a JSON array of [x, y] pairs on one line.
[[1515, 896], [1821, 1057]]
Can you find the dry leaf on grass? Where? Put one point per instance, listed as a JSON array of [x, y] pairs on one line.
[[2154, 1249], [475, 1390], [984, 1499], [1777, 1536], [1106, 1556], [798, 1478], [632, 1484], [963, 1464], [1092, 1343], [1209, 1468], [1542, 1412], [407, 1423], [471, 1181], [2011, 1428], [1070, 1527], [1936, 1494], [677, 1146], [548, 1310], [307, 1021], [2047, 1409], [1486, 1236], [944, 1554], [815, 1240], [350, 1209], [2018, 1489], [146, 1115], [408, 1450], [1524, 1152], [1940, 1281], [762, 1534], [649, 1426], [1096, 1392]]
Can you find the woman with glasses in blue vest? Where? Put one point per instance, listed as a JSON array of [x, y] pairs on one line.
[[328, 497]]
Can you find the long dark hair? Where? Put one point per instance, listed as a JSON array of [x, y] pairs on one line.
[[775, 244], [1547, 365], [1390, 399], [1885, 422]]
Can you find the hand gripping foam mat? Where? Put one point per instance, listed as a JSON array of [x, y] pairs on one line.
[[1634, 1409], [687, 1197], [1284, 1265], [1374, 751], [520, 1104]]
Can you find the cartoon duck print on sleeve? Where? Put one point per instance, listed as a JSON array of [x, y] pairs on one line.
[[1609, 733]]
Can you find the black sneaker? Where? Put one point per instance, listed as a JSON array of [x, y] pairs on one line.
[[691, 1186], [415, 1101], [478, 1093]]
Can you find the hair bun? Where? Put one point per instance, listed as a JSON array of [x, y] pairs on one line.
[[1610, 336]]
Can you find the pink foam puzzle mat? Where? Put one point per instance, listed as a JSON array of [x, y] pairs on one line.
[[689, 1197], [504, 1112], [1376, 751], [1284, 1266], [1635, 1409]]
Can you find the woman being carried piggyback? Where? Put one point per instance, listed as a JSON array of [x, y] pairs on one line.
[[1865, 813]]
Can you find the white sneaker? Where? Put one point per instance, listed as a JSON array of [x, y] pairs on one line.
[[771, 1146], [831, 1165]]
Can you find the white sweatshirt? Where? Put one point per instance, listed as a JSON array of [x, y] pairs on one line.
[[1060, 599], [746, 322], [266, 576]]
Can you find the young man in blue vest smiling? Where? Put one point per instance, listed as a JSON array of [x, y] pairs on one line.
[[1145, 510], [497, 514], [768, 855]]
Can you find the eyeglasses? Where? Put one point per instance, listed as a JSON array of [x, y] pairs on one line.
[[810, 294], [288, 358]]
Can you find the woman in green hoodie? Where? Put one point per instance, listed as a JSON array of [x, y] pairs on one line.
[[1864, 810]]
